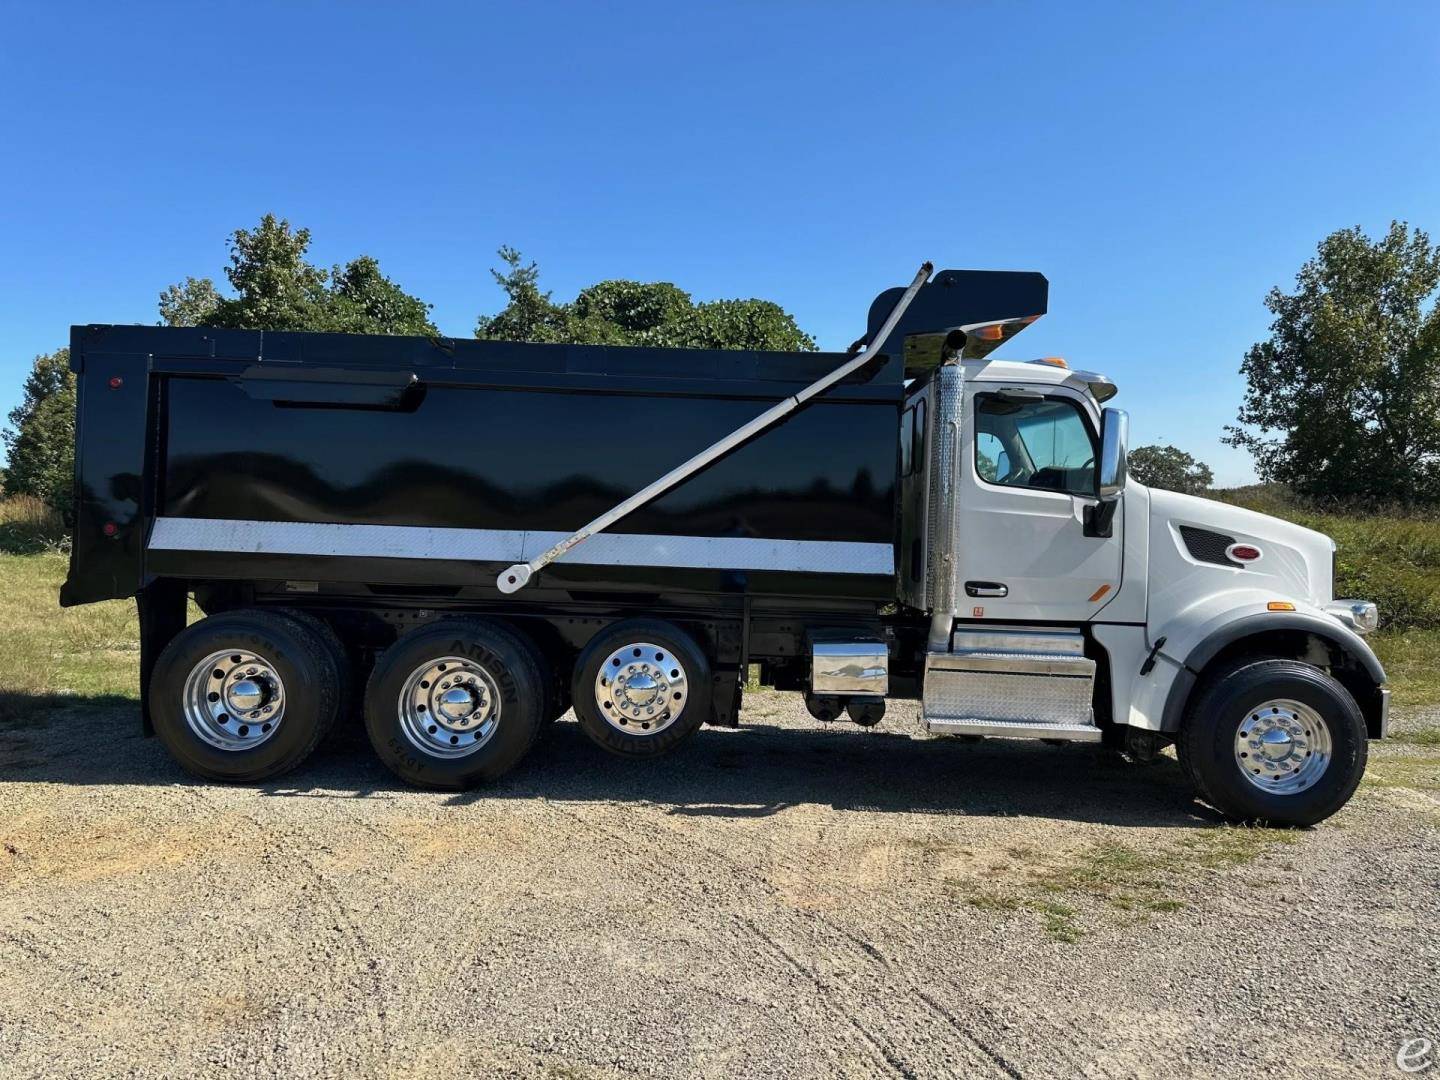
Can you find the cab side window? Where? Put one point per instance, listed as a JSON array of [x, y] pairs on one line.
[[1040, 443], [912, 439], [917, 452]]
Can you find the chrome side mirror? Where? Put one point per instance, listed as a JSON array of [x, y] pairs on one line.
[[1110, 474], [1114, 435]]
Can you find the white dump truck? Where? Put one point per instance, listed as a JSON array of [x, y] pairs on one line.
[[465, 539]]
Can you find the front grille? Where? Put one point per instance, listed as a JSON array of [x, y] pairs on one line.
[[1207, 546]]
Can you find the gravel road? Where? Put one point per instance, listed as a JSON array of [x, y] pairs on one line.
[[785, 900]]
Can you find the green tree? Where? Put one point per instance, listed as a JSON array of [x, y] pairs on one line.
[[195, 303], [362, 300], [276, 288], [634, 313], [1343, 397], [40, 443], [1170, 468], [530, 315]]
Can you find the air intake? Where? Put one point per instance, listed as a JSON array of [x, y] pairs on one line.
[[1207, 546]]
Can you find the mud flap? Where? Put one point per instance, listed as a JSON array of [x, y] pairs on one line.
[[162, 615]]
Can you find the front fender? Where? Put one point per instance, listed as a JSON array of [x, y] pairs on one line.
[[1197, 636]]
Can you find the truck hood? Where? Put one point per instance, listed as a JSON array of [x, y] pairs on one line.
[[1296, 563]]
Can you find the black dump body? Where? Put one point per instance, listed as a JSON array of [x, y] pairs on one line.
[[231, 455]]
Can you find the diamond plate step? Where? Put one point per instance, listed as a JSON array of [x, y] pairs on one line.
[[1015, 683]]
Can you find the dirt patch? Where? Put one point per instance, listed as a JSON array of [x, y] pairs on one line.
[[788, 900]]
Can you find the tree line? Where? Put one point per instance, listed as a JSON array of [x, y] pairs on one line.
[[1342, 399]]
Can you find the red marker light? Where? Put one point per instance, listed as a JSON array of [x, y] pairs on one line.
[[110, 528], [116, 382], [1243, 552]]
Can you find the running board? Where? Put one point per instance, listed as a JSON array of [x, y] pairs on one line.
[[1013, 683], [1003, 729]]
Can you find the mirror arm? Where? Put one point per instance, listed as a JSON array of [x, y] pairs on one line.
[[1100, 518]]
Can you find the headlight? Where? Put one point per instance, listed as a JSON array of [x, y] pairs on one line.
[[1362, 616]]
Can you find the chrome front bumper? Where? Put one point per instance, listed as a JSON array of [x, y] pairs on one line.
[[1384, 713]]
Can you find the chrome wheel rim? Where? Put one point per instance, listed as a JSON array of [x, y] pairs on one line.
[[1283, 747], [234, 699], [449, 707], [641, 689]]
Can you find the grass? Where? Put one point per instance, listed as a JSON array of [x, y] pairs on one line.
[[1391, 557], [1417, 772], [1131, 882], [52, 655], [1412, 663], [28, 526]]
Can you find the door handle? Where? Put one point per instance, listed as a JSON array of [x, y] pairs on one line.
[[986, 588]]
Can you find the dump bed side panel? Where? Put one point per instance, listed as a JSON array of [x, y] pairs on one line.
[[484, 458], [243, 460]]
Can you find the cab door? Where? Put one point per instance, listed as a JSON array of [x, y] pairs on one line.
[[1027, 475]]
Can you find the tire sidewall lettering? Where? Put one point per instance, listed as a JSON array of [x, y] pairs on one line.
[[493, 665]]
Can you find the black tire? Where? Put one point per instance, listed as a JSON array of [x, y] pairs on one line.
[[308, 675], [507, 659], [1225, 700], [558, 704], [826, 708], [341, 655], [555, 690], [670, 641]]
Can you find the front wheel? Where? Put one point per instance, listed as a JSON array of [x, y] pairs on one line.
[[1274, 741]]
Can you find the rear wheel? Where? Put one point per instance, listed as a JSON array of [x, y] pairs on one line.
[[641, 688], [1275, 741], [455, 704], [244, 695]]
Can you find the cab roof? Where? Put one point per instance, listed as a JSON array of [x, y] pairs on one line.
[[1040, 371]]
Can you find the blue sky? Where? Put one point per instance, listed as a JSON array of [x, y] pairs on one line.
[[1163, 165]]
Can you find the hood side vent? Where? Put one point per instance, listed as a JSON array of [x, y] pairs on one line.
[[1207, 546]]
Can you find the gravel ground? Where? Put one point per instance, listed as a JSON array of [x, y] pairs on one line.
[[785, 900]]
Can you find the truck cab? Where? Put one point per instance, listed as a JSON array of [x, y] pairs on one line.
[[1070, 602]]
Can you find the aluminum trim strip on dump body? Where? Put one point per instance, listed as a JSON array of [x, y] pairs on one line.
[[510, 545]]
